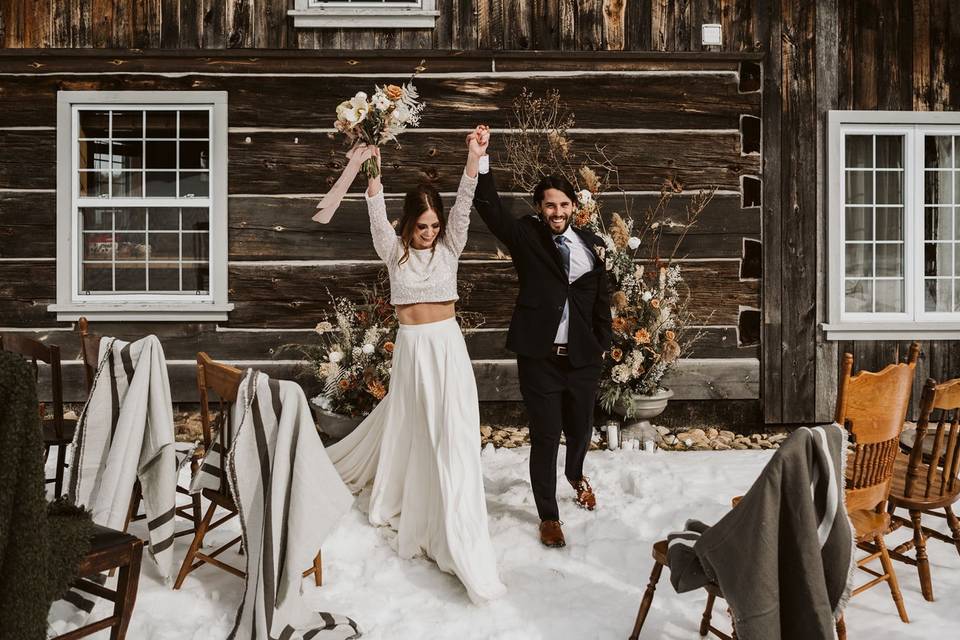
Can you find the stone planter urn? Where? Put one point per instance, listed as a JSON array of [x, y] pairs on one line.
[[641, 408], [335, 425]]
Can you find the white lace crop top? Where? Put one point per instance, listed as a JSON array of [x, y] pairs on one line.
[[427, 275]]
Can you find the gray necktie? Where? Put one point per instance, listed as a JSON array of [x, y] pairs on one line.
[[564, 253]]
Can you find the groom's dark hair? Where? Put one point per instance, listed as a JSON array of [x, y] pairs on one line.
[[554, 182]]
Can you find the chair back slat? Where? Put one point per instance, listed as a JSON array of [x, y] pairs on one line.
[[223, 381], [38, 351], [89, 351], [935, 458], [873, 407]]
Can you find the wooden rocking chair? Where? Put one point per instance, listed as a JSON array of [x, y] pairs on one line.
[[925, 481], [57, 430], [90, 353], [224, 381], [873, 407]]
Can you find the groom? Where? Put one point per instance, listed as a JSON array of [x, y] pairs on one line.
[[560, 330]]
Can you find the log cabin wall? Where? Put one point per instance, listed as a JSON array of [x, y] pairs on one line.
[[672, 108]]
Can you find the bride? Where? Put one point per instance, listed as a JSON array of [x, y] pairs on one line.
[[421, 445]]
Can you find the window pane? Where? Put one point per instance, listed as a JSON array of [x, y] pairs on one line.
[[889, 187], [161, 124], [194, 124], [196, 277], [131, 247], [938, 223], [194, 155], [93, 184], [937, 152], [938, 187], [94, 154], [95, 219], [889, 296], [161, 184], [889, 224], [859, 151], [194, 184], [126, 154], [127, 124], [937, 294], [889, 260], [937, 258], [860, 223], [859, 187], [164, 246], [132, 219], [127, 184], [94, 124], [161, 155], [195, 246], [859, 260], [97, 278], [98, 246], [890, 152], [165, 276], [131, 276], [859, 296], [165, 218], [195, 219]]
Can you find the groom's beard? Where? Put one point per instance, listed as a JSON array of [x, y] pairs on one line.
[[566, 224]]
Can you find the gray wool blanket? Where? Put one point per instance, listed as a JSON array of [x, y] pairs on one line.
[[783, 557]]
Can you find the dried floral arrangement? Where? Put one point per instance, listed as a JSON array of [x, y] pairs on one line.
[[650, 299]]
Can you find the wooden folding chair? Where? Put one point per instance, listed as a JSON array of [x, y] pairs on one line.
[[57, 430], [224, 381], [925, 480], [873, 407], [90, 353]]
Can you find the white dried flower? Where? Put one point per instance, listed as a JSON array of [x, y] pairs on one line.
[[335, 356], [367, 349], [380, 101], [620, 373], [633, 243], [584, 196], [323, 327]]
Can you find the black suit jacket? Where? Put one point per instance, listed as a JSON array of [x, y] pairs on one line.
[[544, 288]]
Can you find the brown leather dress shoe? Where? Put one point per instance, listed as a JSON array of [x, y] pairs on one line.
[[585, 498], [551, 535]]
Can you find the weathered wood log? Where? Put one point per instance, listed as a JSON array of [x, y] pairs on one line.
[[28, 160], [28, 224], [652, 102], [306, 162]]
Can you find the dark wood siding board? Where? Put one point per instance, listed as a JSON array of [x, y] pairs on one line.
[[695, 101], [28, 160], [281, 228], [240, 24], [798, 212], [26, 288], [306, 162], [768, 26], [213, 24], [28, 224], [516, 22], [265, 294], [638, 25], [940, 24], [545, 30], [489, 23]]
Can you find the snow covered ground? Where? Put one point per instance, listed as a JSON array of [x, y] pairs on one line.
[[588, 590]]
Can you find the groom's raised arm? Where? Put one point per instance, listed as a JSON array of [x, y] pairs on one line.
[[487, 201]]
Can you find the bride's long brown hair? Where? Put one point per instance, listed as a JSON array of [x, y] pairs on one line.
[[415, 204]]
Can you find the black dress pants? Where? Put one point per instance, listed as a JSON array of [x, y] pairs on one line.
[[559, 399]]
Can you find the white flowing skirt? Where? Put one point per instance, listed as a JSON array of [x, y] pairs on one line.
[[421, 448]]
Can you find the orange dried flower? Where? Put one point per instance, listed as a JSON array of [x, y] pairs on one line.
[[616, 354], [344, 384], [393, 92], [670, 335], [619, 324], [642, 336], [620, 300], [670, 352], [388, 347], [376, 389], [655, 303]]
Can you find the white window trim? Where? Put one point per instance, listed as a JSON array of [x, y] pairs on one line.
[[417, 14], [140, 307], [914, 323]]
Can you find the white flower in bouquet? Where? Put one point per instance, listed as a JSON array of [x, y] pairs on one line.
[[368, 349], [352, 112], [335, 356], [633, 243], [323, 327], [357, 352], [380, 101], [585, 197], [620, 373], [401, 114], [646, 296]]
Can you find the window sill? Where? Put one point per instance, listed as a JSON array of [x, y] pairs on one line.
[[140, 311], [345, 18], [891, 331]]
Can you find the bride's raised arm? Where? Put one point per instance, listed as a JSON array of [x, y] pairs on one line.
[[384, 236], [458, 222]]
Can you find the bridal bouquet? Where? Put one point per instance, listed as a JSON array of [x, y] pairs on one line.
[[353, 358], [380, 118]]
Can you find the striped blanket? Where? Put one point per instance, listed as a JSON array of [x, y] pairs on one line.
[[289, 497], [783, 557], [125, 433]]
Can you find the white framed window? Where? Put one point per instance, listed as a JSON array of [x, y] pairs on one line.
[[141, 205], [893, 220], [365, 14]]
